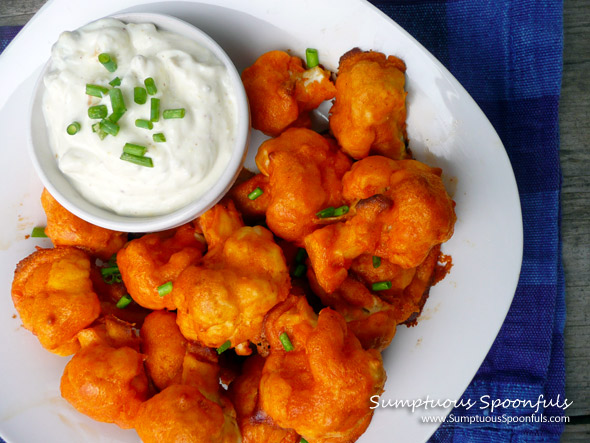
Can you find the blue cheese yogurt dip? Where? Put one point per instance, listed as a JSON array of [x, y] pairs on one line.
[[194, 93]]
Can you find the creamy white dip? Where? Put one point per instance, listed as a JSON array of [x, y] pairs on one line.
[[187, 75]]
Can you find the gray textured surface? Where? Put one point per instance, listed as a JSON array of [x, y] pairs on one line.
[[575, 160]]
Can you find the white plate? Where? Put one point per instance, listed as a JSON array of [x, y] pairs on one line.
[[438, 358]]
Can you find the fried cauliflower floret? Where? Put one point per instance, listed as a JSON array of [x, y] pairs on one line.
[[369, 317], [374, 315], [254, 425], [242, 276], [164, 347], [181, 413], [148, 262], [322, 388], [369, 113], [53, 295], [219, 223], [65, 229], [108, 384], [305, 173], [191, 406], [253, 210], [410, 287], [111, 331], [281, 91], [172, 359], [401, 210]]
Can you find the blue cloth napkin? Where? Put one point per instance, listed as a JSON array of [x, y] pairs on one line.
[[508, 55]]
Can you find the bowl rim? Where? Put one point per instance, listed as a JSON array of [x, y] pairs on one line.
[[105, 218]]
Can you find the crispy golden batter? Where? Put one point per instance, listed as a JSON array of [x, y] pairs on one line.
[[155, 259], [65, 229], [254, 425], [110, 293], [401, 211], [322, 388], [369, 113], [180, 413], [172, 359], [409, 286], [305, 172], [164, 348], [252, 210], [108, 384], [374, 316], [219, 223], [241, 277], [110, 331], [281, 92], [53, 295], [370, 318]]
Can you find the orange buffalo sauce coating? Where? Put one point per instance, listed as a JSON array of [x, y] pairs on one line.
[[281, 91], [252, 210], [181, 413], [400, 210], [306, 388], [172, 359], [374, 315], [369, 113], [305, 173], [254, 424], [150, 261], [66, 229], [53, 295], [242, 276], [106, 383]]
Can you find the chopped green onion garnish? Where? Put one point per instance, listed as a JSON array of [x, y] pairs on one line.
[[376, 261], [312, 58], [96, 90], [255, 194], [109, 127], [284, 338], [325, 213], [138, 160], [300, 256], [38, 232], [96, 128], [73, 128], [155, 110], [115, 82], [139, 95], [132, 149], [107, 61], [98, 111], [111, 274], [299, 270], [150, 85], [165, 289], [381, 285], [145, 124], [117, 102], [124, 301], [109, 270], [116, 116], [173, 113], [303, 440], [159, 137], [224, 347], [340, 211], [113, 260]]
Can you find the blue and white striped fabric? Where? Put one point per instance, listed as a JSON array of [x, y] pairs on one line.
[[508, 55]]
